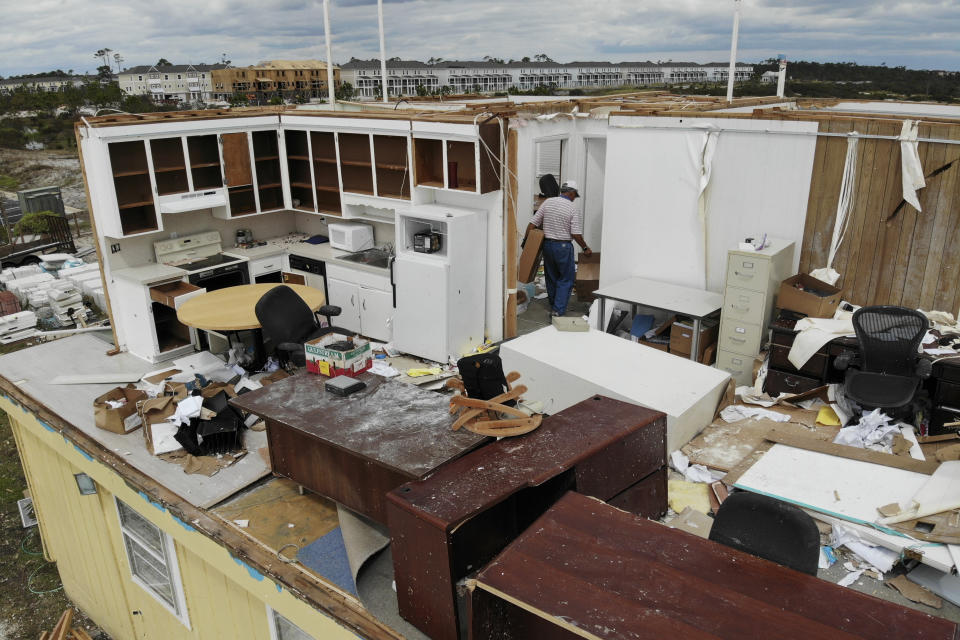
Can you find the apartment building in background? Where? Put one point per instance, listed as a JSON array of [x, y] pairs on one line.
[[177, 83], [265, 80], [44, 83], [404, 76]]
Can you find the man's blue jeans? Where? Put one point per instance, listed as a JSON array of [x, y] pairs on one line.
[[560, 271]]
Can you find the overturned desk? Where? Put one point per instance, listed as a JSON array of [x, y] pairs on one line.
[[588, 570], [694, 303], [356, 449]]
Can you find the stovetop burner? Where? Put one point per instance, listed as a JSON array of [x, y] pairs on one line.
[[206, 263]]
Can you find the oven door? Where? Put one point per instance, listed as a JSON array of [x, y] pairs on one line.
[[214, 279]]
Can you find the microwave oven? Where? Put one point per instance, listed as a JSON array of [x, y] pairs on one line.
[[350, 236]]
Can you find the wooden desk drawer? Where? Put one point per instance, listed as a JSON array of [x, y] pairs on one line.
[[749, 272], [816, 366], [786, 382], [737, 365], [740, 337], [744, 305]]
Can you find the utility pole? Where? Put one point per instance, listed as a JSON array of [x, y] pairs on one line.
[[383, 51], [733, 49], [327, 36]]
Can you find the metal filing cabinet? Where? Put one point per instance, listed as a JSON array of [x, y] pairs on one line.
[[753, 278]]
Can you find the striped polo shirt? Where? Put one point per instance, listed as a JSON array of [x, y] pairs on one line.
[[558, 218]]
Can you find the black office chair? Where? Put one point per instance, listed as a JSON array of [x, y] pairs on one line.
[[288, 322], [888, 369], [768, 528], [548, 186]]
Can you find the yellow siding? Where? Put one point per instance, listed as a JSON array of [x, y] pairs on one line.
[[225, 599]]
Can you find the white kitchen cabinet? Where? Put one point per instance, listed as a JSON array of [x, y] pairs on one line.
[[376, 309], [346, 296], [365, 299], [152, 330]]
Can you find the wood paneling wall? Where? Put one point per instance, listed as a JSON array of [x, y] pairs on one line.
[[914, 260]]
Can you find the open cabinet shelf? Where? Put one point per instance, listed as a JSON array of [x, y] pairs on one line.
[[428, 154], [461, 165], [356, 168], [242, 201], [204, 155], [169, 166], [267, 159], [392, 166], [131, 183]]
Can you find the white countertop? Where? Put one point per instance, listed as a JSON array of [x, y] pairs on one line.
[[294, 244], [150, 273]]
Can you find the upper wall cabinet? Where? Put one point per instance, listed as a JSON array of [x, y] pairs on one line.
[[252, 173], [205, 168], [323, 149], [375, 164], [300, 170], [446, 159], [136, 206]]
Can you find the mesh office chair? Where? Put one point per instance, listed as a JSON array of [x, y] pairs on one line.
[[768, 528], [889, 369], [288, 322]]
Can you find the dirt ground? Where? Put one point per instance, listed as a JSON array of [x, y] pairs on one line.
[[46, 168]]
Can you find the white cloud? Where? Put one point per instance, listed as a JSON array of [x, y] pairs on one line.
[[46, 34]]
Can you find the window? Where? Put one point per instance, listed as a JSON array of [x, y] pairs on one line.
[[179, 77], [283, 629], [139, 77], [152, 560], [166, 76]]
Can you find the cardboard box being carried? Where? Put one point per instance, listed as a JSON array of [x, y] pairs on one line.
[[681, 337], [807, 295], [325, 361], [122, 419], [588, 276], [530, 257]]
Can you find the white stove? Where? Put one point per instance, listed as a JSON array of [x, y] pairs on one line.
[[200, 254]]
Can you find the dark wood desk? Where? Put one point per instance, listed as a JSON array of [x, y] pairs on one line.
[[455, 521], [608, 574], [356, 449]]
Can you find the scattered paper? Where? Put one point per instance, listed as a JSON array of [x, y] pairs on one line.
[[749, 395], [874, 431], [827, 558], [383, 369], [540, 296], [910, 436], [187, 408], [416, 373], [163, 437], [241, 523], [693, 473], [850, 578], [878, 557], [737, 412], [827, 416]]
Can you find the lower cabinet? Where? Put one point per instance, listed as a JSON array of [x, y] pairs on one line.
[[365, 307]]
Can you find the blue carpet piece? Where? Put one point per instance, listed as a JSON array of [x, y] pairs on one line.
[[327, 556]]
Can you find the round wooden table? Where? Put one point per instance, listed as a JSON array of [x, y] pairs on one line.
[[234, 308]]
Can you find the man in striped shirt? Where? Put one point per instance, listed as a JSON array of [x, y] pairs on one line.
[[561, 223]]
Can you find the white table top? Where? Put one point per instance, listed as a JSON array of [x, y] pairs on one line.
[[696, 303]]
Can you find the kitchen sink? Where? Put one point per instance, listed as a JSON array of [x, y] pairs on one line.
[[370, 257]]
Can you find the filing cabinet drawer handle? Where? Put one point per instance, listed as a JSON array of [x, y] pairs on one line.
[[737, 372], [739, 308], [743, 275], [738, 340], [790, 382]]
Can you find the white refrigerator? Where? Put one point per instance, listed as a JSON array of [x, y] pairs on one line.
[[441, 296]]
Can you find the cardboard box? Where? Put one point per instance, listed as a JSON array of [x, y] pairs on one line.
[[122, 419], [681, 337], [588, 276], [332, 362], [530, 256], [816, 298], [157, 431], [708, 355]]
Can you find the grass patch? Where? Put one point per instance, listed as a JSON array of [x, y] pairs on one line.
[[8, 184]]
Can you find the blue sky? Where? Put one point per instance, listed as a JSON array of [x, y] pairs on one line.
[[45, 34]]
